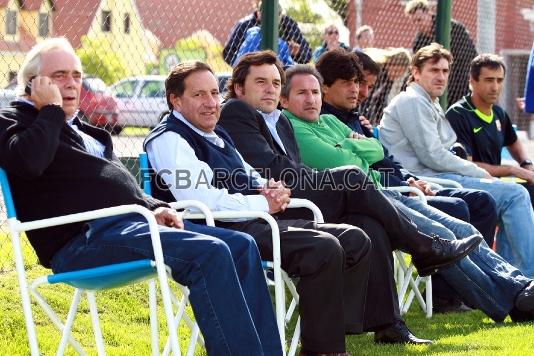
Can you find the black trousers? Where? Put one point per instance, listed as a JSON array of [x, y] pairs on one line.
[[345, 196], [332, 264]]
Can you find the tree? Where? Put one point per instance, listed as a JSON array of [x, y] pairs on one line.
[[340, 6], [98, 59]]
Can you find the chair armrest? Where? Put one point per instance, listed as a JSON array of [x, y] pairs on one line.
[[416, 191], [87, 215], [435, 186], [444, 182], [204, 210], [305, 203], [100, 213]]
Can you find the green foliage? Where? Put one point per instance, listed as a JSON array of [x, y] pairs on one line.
[[301, 11], [315, 37], [339, 6], [99, 60], [191, 48]]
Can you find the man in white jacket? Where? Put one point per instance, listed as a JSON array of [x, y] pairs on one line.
[[415, 131]]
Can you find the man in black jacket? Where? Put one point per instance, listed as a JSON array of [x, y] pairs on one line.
[[288, 29], [264, 137], [58, 165]]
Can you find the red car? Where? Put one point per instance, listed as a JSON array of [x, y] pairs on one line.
[[97, 106]]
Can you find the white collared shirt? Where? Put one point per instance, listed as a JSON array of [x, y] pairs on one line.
[[190, 178], [271, 120], [92, 145]]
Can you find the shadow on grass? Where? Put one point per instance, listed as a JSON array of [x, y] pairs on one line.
[[454, 333]]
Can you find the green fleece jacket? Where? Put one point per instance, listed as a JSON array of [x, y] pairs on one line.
[[325, 143]]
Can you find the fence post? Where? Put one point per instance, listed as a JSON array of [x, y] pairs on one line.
[[269, 25], [443, 33]]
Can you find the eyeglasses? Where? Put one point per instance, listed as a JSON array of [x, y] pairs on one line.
[[332, 32]]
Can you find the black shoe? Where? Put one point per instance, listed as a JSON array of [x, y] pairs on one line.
[[398, 333], [444, 253], [520, 316], [525, 299], [441, 305]]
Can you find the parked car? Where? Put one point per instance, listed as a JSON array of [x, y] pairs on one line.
[[141, 100], [97, 106], [223, 79]]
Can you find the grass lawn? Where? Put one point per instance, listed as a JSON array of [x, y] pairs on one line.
[[135, 131], [125, 325]]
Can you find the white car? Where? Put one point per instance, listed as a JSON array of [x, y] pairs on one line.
[[6, 96], [141, 100]]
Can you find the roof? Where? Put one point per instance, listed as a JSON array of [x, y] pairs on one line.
[[83, 14], [24, 44], [33, 5], [158, 16], [184, 18]]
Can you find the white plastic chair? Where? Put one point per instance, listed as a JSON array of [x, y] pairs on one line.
[[89, 280], [441, 182], [404, 273]]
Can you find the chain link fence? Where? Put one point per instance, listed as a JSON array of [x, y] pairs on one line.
[[128, 46]]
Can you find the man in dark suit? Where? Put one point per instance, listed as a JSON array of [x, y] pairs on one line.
[[265, 139]]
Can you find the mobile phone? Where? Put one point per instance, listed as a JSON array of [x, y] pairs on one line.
[[28, 87]]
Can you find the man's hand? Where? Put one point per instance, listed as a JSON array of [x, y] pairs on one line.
[[421, 185], [332, 45], [277, 196], [365, 123], [294, 47], [523, 173], [356, 135], [488, 176], [529, 167], [44, 92], [168, 217]]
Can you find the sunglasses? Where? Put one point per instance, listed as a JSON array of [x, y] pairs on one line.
[[334, 32]]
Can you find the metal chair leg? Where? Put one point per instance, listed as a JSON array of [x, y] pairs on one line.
[[99, 340]]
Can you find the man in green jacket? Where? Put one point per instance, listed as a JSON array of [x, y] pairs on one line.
[[325, 142]]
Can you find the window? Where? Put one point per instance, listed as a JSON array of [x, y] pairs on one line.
[[124, 89], [153, 89], [11, 22], [127, 23], [106, 21], [43, 24]]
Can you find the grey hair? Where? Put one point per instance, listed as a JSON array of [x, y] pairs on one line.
[[32, 62], [299, 69]]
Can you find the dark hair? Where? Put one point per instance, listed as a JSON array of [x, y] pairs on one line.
[[431, 53], [175, 82], [488, 60], [367, 63], [242, 69], [299, 69], [339, 64]]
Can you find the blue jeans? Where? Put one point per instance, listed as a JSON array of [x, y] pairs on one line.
[[481, 206], [483, 278], [515, 239], [221, 268]]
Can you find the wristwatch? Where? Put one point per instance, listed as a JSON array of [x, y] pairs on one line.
[[526, 162]]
